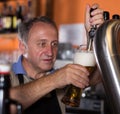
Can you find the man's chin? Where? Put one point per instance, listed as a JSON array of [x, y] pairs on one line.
[[46, 69]]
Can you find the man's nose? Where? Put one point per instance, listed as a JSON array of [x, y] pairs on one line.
[[50, 50]]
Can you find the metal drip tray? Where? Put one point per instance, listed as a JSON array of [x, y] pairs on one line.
[[87, 105]]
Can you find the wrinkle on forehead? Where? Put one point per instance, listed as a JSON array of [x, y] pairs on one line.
[[41, 25], [43, 30]]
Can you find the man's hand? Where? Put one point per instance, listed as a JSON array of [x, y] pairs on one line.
[[95, 77], [74, 74], [96, 19]]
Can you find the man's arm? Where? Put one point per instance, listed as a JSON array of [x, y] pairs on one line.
[[27, 94]]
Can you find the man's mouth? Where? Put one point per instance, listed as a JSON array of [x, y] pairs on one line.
[[48, 60]]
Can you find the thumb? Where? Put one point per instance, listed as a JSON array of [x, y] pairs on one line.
[[87, 10], [87, 17]]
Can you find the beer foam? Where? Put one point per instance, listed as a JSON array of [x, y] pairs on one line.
[[84, 58], [4, 68]]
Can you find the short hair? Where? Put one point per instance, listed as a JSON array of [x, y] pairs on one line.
[[24, 27]]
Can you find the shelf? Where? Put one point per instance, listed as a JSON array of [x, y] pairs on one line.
[[8, 35], [8, 42]]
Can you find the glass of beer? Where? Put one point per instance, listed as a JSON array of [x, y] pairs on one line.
[[86, 58]]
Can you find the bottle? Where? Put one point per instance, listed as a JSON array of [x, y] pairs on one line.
[[5, 85], [106, 15], [19, 15], [1, 24], [4, 88], [24, 12], [8, 20], [115, 16], [29, 12], [11, 20], [5, 18]]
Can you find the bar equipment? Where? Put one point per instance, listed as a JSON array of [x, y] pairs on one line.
[[107, 54], [5, 84], [106, 15], [115, 16], [91, 33]]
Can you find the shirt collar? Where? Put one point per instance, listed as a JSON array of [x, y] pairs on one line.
[[17, 67]]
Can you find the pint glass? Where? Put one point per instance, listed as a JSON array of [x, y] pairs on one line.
[[86, 58]]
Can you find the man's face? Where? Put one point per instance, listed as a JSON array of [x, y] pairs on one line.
[[42, 46]]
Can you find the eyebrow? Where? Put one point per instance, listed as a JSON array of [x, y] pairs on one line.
[[39, 40]]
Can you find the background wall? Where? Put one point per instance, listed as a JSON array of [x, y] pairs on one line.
[[62, 11], [67, 11], [72, 11]]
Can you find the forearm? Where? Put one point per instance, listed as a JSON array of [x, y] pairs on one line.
[[29, 93]]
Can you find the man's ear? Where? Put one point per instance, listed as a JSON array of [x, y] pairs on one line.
[[22, 47]]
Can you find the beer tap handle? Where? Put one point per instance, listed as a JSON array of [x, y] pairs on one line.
[[94, 27], [91, 32]]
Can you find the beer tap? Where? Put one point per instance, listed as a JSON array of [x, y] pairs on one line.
[[91, 33]]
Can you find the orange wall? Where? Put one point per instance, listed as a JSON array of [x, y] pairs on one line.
[[113, 6], [72, 11], [68, 11], [8, 43]]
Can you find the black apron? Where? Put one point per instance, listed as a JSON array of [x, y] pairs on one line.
[[45, 105]]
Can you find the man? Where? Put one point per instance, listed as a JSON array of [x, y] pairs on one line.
[[34, 81]]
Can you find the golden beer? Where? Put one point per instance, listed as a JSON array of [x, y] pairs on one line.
[[73, 94], [90, 69]]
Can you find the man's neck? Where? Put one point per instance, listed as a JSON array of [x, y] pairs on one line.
[[31, 72]]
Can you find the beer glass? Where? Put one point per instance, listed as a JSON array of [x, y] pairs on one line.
[[86, 58]]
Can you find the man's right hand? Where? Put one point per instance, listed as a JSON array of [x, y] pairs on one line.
[[74, 74]]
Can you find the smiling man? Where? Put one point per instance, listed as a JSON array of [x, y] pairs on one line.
[[34, 81]]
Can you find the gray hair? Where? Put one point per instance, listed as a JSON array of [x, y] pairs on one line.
[[24, 27]]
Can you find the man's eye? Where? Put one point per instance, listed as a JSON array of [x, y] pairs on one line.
[[55, 44], [42, 44]]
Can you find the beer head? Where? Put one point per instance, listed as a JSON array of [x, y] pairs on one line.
[[85, 58], [4, 68]]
